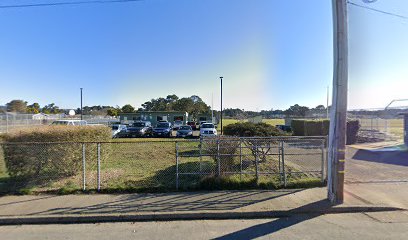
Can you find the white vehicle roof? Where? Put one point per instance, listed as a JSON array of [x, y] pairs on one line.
[[70, 122], [204, 125]]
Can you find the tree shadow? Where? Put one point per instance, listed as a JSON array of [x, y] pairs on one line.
[[25, 184], [172, 202], [297, 216]]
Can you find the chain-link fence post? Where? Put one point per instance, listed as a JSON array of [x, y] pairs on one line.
[[7, 130], [177, 166], [279, 162], [323, 154], [240, 159], [201, 153], [83, 167], [283, 163], [218, 158], [99, 166], [256, 161]]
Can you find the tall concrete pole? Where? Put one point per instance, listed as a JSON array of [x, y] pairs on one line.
[[338, 119], [81, 105], [327, 103], [221, 104]]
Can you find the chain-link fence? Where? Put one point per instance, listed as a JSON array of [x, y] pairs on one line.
[[160, 165], [272, 160], [13, 121], [16, 121]]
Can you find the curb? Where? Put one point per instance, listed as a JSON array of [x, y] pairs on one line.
[[78, 219]]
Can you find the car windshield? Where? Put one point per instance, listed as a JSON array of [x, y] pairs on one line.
[[207, 125], [60, 123], [115, 127], [185, 128], [178, 122], [162, 125], [139, 124]]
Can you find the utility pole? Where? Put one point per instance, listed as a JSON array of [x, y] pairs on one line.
[[221, 103], [81, 104], [327, 103], [212, 108], [338, 121]]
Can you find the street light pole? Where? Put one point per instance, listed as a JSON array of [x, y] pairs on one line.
[[81, 104], [221, 103], [338, 119]]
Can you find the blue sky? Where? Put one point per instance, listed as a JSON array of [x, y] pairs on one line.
[[271, 53]]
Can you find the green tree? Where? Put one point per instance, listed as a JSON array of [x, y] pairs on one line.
[[18, 106], [128, 108], [33, 108], [51, 109], [297, 111], [112, 112], [194, 105]]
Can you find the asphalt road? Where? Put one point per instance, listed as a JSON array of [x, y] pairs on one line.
[[383, 225], [377, 176], [375, 166]]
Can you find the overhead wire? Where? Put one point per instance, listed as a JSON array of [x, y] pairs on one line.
[[66, 3], [378, 11]]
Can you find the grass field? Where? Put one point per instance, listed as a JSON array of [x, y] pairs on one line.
[[391, 126], [149, 165]]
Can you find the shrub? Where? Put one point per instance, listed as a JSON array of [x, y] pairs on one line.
[[45, 151], [259, 147], [302, 127], [248, 129], [353, 126], [222, 149]]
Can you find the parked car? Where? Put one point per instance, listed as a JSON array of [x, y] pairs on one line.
[[177, 124], [208, 129], [140, 129], [193, 125], [118, 130], [185, 131], [284, 128], [70, 122], [163, 129]]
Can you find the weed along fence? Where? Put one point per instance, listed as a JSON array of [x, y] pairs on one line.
[[152, 166]]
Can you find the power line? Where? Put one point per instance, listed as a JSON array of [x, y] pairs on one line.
[[67, 3], [377, 10]]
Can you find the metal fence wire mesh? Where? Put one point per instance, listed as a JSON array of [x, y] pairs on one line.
[[158, 165]]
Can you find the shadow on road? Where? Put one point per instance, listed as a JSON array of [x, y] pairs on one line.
[[296, 217], [386, 156]]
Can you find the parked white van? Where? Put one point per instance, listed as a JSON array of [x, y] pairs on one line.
[[70, 122]]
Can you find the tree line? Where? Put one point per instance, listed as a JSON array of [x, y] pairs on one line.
[[293, 111], [194, 105], [21, 106]]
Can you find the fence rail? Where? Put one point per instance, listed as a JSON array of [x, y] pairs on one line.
[[160, 165], [17, 121]]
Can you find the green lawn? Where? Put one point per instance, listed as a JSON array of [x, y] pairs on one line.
[[147, 165], [392, 126]]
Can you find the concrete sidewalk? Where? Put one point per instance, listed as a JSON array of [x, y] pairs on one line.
[[179, 206]]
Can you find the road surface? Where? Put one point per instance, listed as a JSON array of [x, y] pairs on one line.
[[383, 225]]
